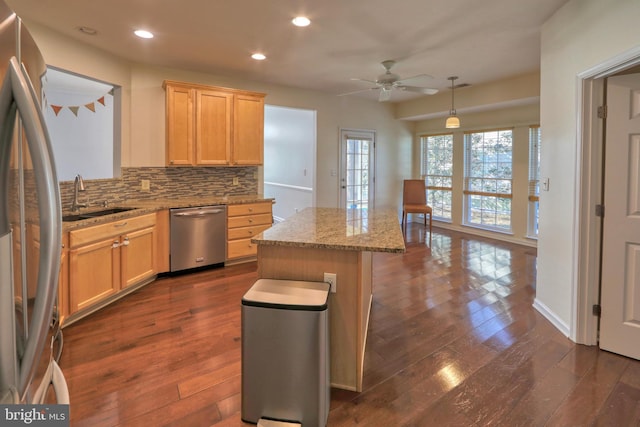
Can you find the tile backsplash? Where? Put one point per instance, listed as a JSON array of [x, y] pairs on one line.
[[165, 183]]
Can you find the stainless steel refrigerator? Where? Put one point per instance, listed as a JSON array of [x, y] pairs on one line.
[[30, 228]]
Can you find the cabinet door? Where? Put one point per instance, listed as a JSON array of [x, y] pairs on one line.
[[94, 273], [248, 130], [213, 127], [179, 124], [138, 256]]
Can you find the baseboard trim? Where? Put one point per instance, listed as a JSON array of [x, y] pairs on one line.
[[533, 243], [551, 317]]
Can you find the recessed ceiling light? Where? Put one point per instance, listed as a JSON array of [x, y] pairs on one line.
[[144, 34], [259, 56], [301, 21]]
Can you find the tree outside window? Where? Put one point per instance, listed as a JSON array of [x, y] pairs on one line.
[[488, 179], [437, 170]]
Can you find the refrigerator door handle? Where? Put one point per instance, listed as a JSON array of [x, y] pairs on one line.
[[20, 92]]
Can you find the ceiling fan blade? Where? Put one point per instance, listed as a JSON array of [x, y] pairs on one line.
[[357, 91], [417, 76], [418, 89], [364, 80], [385, 94]]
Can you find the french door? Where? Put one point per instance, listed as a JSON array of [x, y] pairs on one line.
[[357, 172]]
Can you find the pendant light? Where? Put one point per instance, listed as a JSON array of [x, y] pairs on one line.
[[453, 122]]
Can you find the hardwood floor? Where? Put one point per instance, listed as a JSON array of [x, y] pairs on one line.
[[453, 341]]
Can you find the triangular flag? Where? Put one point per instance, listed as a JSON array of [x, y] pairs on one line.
[[56, 108], [111, 92], [91, 106], [101, 100], [74, 110]]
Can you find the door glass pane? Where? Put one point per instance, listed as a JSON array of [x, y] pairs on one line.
[[357, 173]]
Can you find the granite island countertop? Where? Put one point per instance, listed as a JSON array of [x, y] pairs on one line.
[[374, 230], [141, 207]]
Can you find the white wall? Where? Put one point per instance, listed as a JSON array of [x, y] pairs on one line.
[[82, 141], [63, 52], [289, 159], [581, 35]]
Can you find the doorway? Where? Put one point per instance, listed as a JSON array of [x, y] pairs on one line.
[[585, 325], [289, 159], [357, 171]]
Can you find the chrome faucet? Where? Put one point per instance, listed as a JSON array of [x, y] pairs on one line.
[[78, 185]]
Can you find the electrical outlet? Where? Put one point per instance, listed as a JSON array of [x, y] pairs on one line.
[[331, 278], [235, 180], [145, 184]]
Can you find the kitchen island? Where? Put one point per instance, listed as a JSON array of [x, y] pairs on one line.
[[340, 241]]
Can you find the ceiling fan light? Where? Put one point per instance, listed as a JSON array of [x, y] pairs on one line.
[[453, 122]]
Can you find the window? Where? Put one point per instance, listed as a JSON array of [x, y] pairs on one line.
[[437, 168], [487, 179], [534, 180]]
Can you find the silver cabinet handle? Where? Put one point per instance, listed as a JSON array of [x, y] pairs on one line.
[[121, 225], [125, 242], [200, 213], [115, 244]]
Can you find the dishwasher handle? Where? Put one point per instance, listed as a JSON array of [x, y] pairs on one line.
[[199, 212]]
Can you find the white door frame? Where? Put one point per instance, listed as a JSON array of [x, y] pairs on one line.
[[365, 133], [589, 171]]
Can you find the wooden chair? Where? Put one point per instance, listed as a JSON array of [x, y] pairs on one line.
[[414, 200]]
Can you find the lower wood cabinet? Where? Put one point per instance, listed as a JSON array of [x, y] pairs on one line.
[[107, 258], [243, 222]]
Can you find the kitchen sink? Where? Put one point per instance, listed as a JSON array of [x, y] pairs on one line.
[[87, 215]]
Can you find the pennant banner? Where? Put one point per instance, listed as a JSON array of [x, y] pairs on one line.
[[91, 106]]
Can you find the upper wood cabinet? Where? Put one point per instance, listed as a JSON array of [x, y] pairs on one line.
[[213, 126]]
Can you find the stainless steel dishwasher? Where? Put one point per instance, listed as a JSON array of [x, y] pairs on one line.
[[198, 236]]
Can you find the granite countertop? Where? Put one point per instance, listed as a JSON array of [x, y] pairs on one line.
[[141, 207], [374, 230]]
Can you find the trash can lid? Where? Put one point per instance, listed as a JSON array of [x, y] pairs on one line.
[[288, 295]]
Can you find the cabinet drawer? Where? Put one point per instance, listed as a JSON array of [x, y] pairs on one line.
[[241, 248], [245, 232], [248, 221], [111, 229], [249, 209]]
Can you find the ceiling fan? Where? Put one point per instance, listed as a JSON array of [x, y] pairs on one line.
[[389, 81]]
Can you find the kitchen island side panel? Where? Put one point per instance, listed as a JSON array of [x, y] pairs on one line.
[[348, 307]]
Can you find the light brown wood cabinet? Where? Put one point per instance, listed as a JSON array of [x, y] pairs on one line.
[[209, 126], [243, 222], [107, 258]]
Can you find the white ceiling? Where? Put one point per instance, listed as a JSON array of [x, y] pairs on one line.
[[479, 41]]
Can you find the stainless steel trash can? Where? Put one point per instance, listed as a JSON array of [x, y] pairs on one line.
[[285, 352]]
